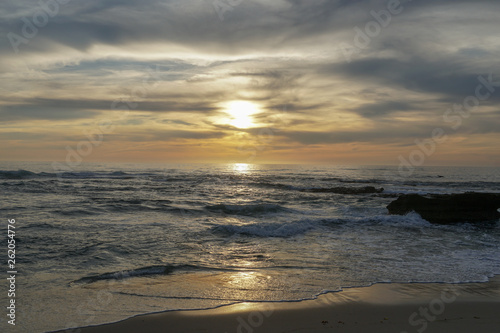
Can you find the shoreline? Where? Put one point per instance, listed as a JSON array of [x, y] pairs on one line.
[[381, 307]]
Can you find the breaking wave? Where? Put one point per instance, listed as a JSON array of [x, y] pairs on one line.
[[140, 272], [290, 229]]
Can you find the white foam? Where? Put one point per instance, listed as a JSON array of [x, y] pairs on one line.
[[267, 229]]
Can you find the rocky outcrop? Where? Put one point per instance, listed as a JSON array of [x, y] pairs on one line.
[[449, 208], [346, 190]]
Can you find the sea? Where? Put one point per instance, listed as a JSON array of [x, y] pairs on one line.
[[98, 243]]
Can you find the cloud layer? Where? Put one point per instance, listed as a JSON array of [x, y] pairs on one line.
[[344, 81]]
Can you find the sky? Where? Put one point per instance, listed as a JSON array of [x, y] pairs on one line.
[[250, 81]]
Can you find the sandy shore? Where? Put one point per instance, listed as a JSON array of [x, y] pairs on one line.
[[379, 308]]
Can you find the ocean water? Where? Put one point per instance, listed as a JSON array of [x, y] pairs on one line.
[[104, 242]]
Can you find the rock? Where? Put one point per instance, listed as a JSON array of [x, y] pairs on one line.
[[449, 208], [346, 190]]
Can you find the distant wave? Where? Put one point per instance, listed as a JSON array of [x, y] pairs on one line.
[[345, 190], [21, 174], [337, 189], [438, 182], [150, 207], [140, 204], [43, 225], [279, 186], [247, 209], [94, 175], [352, 181], [76, 211], [25, 174]]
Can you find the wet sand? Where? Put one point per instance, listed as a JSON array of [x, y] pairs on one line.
[[414, 307]]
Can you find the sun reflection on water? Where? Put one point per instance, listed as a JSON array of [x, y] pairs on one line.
[[249, 281], [241, 167]]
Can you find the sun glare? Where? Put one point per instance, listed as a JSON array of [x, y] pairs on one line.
[[240, 113], [241, 167]]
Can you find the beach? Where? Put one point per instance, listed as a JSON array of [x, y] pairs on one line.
[[413, 307], [249, 166]]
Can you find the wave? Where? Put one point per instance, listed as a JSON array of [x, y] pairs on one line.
[[152, 208], [411, 219], [94, 175], [142, 272], [248, 209], [290, 229], [338, 189], [25, 174], [265, 229], [120, 275], [43, 225], [278, 186], [140, 204], [345, 190], [352, 181], [19, 174], [76, 212]]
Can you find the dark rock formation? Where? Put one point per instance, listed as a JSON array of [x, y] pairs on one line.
[[449, 208], [346, 190]]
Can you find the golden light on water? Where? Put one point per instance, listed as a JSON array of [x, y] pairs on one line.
[[240, 113], [250, 281], [244, 278], [241, 167]]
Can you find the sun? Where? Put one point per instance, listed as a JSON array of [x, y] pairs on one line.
[[240, 113]]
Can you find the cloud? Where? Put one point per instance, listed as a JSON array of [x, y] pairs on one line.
[[372, 110], [34, 112], [51, 108], [177, 63], [392, 135], [251, 26], [445, 77], [166, 136], [175, 121], [8, 136]]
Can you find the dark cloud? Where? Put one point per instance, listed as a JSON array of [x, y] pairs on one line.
[[170, 135], [373, 110], [393, 135], [175, 121], [51, 108], [445, 77], [34, 112], [195, 24]]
